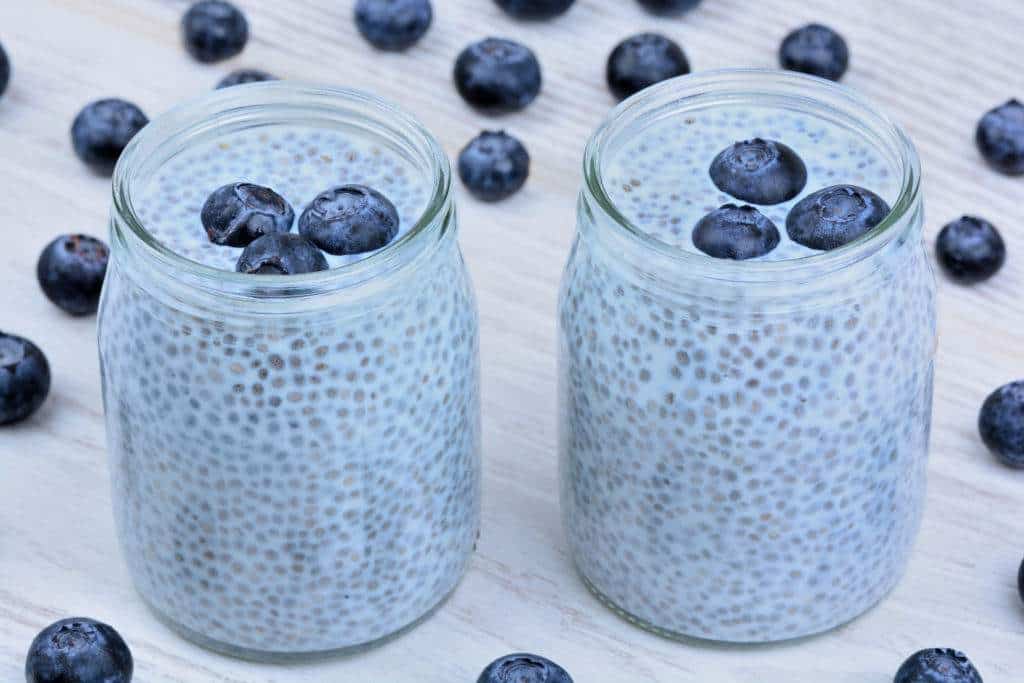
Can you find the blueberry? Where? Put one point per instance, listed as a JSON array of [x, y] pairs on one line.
[[938, 665], [71, 271], [643, 60], [535, 9], [1001, 423], [1020, 580], [281, 253], [78, 650], [497, 76], [243, 76], [970, 249], [234, 215], [494, 165], [735, 232], [835, 216], [393, 25], [816, 50], [759, 171], [669, 7], [5, 70], [214, 30], [523, 668], [1000, 137], [349, 219], [103, 129], [24, 378]]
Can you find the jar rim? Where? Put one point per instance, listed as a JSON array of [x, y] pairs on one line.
[[679, 94], [255, 102]]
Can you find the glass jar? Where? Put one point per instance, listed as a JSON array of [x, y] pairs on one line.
[[295, 460], [743, 444]]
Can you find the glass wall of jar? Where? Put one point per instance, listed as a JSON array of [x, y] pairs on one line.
[[295, 459], [743, 443]]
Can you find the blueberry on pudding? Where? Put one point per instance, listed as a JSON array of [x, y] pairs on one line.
[[735, 232], [349, 219], [835, 216], [759, 171], [281, 254], [236, 214]]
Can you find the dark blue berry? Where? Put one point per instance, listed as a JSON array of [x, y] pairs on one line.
[[350, 219], [735, 232], [524, 668], [643, 60], [214, 30], [535, 9], [103, 129], [1020, 580], [71, 271], [78, 650], [970, 249], [5, 70], [938, 665], [835, 216], [494, 165], [759, 171], [1000, 137], [234, 215], [393, 25], [1001, 423], [816, 50], [243, 76], [24, 378], [281, 253], [497, 76], [669, 7]]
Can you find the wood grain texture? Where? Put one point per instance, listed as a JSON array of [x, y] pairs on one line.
[[935, 66]]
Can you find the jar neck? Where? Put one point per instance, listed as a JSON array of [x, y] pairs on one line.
[[605, 227], [277, 103]]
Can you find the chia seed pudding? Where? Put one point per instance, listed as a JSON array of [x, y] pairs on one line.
[[743, 443], [295, 459]]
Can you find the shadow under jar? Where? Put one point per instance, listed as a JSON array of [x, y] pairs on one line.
[[295, 459], [743, 443]]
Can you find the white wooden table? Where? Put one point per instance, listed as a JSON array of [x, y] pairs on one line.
[[935, 65]]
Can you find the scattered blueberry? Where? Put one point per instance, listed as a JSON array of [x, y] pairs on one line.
[[735, 232], [669, 7], [281, 253], [938, 665], [243, 76], [71, 271], [816, 50], [1000, 137], [78, 650], [835, 216], [214, 30], [535, 9], [643, 60], [970, 249], [103, 129], [24, 378], [393, 25], [759, 171], [234, 215], [497, 75], [1001, 423], [524, 668], [5, 70], [494, 165], [349, 219], [1020, 580]]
